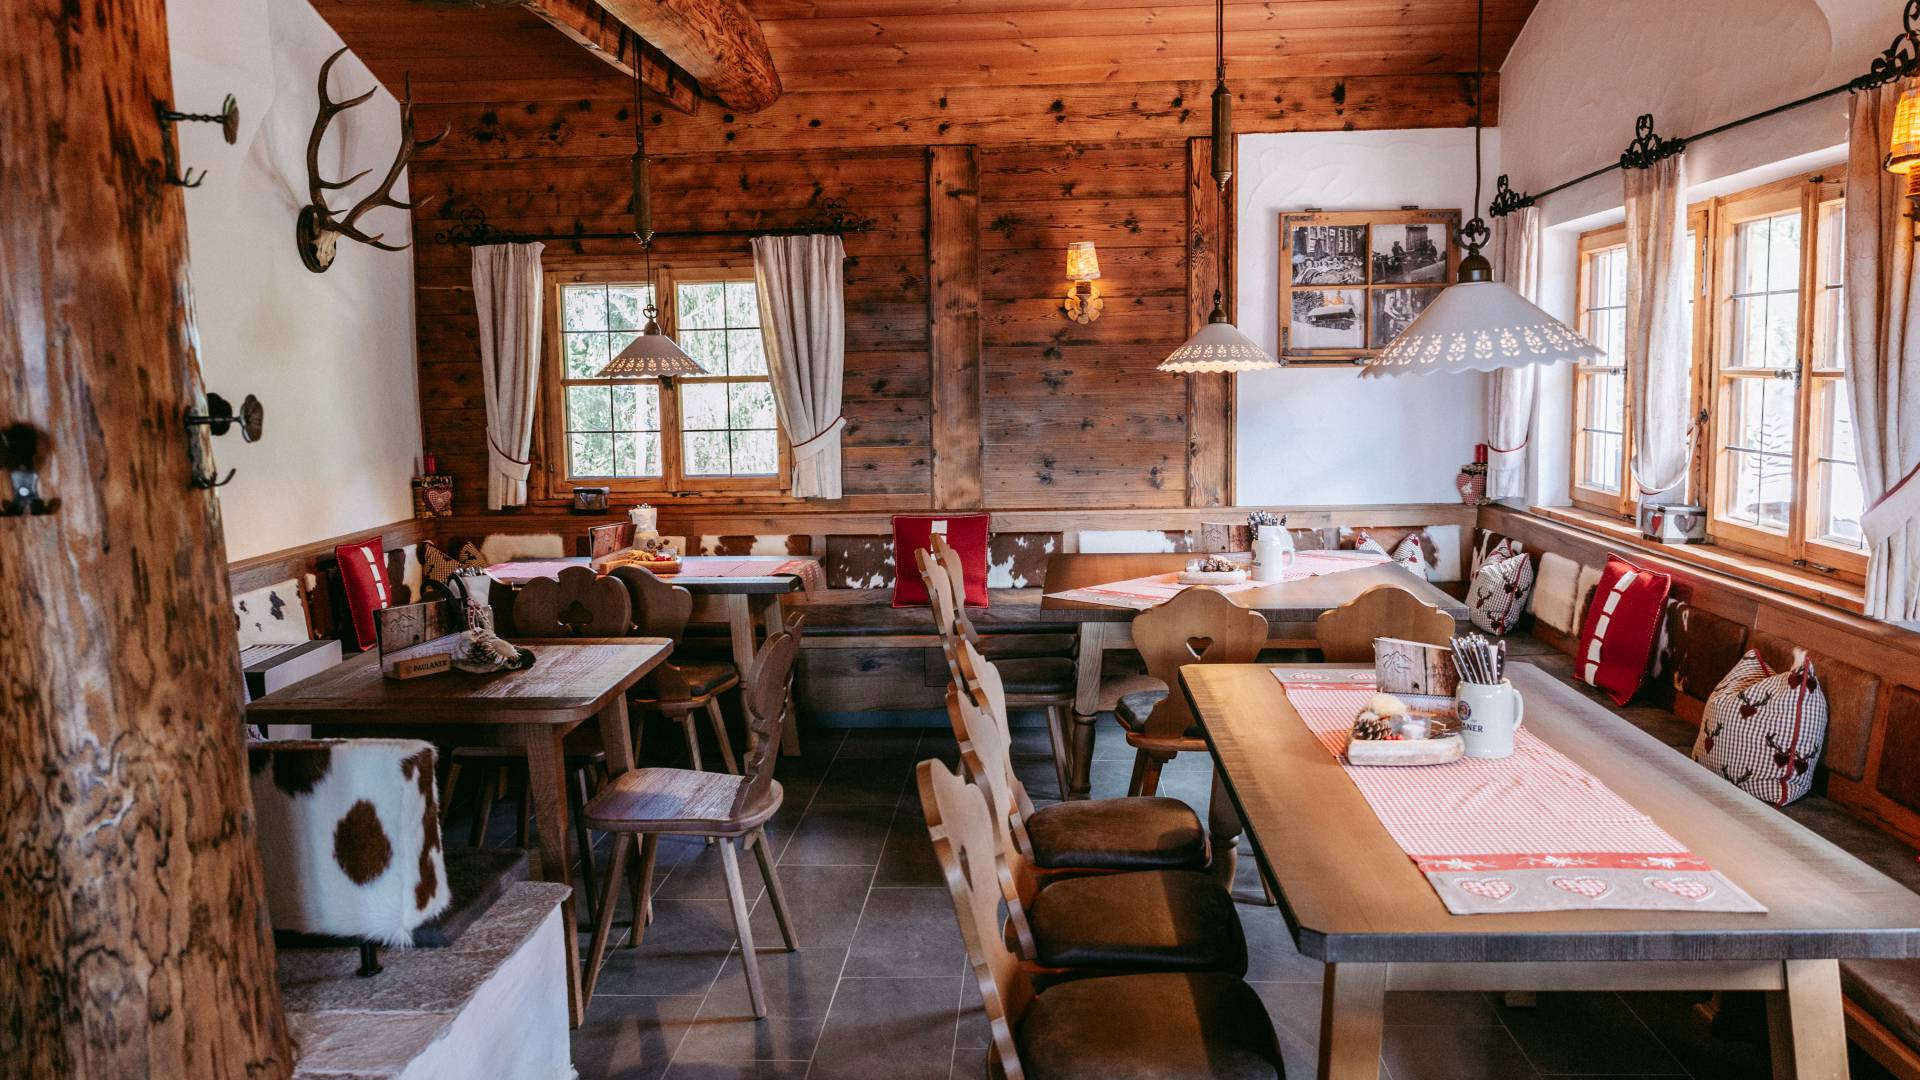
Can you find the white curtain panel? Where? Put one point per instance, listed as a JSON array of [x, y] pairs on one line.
[[803, 319], [506, 291], [1883, 361], [1659, 326], [1511, 390]]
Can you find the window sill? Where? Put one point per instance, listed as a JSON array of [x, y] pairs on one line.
[[1808, 585]]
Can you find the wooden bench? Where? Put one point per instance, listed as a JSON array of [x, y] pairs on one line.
[[1866, 797]]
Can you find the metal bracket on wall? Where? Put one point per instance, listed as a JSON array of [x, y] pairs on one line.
[[20, 453], [228, 118], [218, 420]]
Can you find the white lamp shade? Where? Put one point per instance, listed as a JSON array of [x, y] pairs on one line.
[[652, 353], [1480, 326], [1219, 346]]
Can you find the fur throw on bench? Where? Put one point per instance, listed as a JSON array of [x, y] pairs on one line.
[[350, 836]]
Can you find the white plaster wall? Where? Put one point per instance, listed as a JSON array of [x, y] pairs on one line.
[[1323, 435], [331, 356]]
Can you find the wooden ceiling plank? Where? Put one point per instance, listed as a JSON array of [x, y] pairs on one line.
[[778, 10], [1361, 17], [718, 42]]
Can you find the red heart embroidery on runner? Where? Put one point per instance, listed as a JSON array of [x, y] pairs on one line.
[[1685, 888], [1493, 889], [1590, 887]]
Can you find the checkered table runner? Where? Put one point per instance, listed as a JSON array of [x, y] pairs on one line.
[[1144, 592], [729, 566], [1531, 832]]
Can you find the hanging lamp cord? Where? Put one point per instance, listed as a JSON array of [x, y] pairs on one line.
[[1220, 190], [1220, 40]]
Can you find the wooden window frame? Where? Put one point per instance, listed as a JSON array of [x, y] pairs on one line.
[[1597, 500], [1807, 194], [550, 456]]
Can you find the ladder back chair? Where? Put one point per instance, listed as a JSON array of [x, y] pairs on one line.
[[1045, 683], [732, 810], [1139, 920], [1085, 835], [995, 646], [578, 603], [1165, 1026], [1345, 634], [679, 689], [1198, 626]]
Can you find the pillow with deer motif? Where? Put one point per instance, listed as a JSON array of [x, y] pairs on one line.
[[1763, 729]]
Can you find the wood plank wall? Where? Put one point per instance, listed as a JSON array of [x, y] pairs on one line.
[[981, 393]]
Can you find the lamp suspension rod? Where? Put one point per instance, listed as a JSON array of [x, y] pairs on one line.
[[1892, 66]]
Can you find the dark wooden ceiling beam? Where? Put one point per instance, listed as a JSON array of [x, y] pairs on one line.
[[604, 35], [716, 41]]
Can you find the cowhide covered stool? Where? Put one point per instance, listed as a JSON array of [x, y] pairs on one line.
[[350, 839]]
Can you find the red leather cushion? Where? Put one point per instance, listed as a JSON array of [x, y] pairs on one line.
[[363, 576], [1623, 622], [966, 534]]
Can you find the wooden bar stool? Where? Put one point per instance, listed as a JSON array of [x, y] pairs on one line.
[[1198, 626], [679, 690], [1136, 833], [1164, 1026], [1139, 920], [1345, 634], [1042, 682], [732, 810]]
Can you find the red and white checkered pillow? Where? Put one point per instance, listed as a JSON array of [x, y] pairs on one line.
[[1763, 730], [1500, 589], [1622, 624]]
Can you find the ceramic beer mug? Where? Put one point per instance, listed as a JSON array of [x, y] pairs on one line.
[[1489, 715], [1272, 552]]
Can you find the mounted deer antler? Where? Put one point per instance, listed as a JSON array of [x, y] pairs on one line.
[[319, 227]]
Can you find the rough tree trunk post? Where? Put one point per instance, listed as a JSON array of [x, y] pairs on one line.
[[133, 931]]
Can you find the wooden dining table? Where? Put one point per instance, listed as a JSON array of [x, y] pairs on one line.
[[1354, 899], [570, 683], [1290, 607]]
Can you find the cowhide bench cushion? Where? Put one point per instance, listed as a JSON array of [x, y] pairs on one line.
[[350, 836]]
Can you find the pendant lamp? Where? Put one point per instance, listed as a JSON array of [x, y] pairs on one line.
[[1219, 346], [653, 353], [1479, 324]]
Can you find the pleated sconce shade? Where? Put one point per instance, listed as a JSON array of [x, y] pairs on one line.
[[1904, 155], [1480, 326]]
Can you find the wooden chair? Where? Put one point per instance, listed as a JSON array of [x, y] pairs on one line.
[[578, 603], [1198, 626], [1031, 682], [1168, 1025], [1147, 833], [678, 690], [995, 646], [1346, 633], [732, 810]]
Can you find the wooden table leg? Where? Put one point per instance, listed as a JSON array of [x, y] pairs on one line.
[[617, 737], [1086, 707], [1806, 1024], [547, 783], [1353, 1001], [1223, 833], [739, 616]]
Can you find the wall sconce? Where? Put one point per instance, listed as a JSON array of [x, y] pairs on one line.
[[1903, 156], [1083, 301]]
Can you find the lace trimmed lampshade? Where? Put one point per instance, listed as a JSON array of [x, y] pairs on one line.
[[1480, 326], [1219, 346], [652, 353]]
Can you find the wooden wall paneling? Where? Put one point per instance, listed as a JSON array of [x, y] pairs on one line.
[[133, 925], [1210, 398], [501, 128], [954, 317]]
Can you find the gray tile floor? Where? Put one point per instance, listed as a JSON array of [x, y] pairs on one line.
[[880, 988]]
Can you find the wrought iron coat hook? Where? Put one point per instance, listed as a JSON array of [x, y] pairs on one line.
[[228, 118], [218, 420]]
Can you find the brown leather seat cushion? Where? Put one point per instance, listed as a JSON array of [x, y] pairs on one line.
[[1135, 707], [1150, 1027], [999, 647], [1150, 920], [1037, 675], [1118, 834]]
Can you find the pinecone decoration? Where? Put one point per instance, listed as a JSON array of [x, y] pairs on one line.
[[1369, 727]]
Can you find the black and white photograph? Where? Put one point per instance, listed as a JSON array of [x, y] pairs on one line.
[[1409, 254], [1328, 319], [1393, 311], [1330, 255]]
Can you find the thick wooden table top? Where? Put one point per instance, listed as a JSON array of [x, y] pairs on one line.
[[1350, 894], [1286, 601], [568, 682], [688, 577]]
